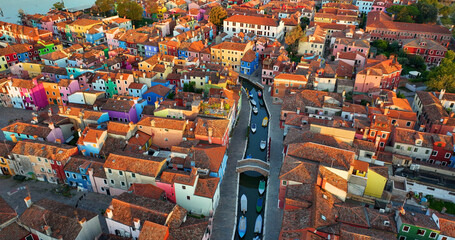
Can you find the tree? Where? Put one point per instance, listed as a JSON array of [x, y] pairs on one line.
[[443, 76], [417, 62], [105, 5], [428, 13], [217, 15], [404, 16], [292, 37], [59, 5], [130, 9], [304, 21], [380, 44]]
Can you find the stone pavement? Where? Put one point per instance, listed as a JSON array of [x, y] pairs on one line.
[[273, 214], [224, 219], [94, 202]]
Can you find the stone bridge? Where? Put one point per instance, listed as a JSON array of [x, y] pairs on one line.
[[253, 164]]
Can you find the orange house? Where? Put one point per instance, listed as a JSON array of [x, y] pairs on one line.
[[52, 92]]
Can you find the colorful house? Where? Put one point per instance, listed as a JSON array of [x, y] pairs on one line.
[[137, 89], [66, 88], [91, 141], [77, 173], [6, 161], [120, 109], [27, 94], [249, 62], [213, 130], [165, 132], [156, 92], [413, 225], [52, 92]]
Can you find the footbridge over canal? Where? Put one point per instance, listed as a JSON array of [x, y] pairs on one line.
[[253, 164]]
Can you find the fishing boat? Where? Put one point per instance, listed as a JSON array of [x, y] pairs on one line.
[[259, 93], [253, 127], [263, 144], [249, 156], [258, 224], [259, 204], [255, 110], [253, 102], [265, 121], [261, 187], [242, 226], [243, 203]]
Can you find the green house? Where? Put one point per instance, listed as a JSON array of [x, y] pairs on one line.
[[412, 226], [111, 88]]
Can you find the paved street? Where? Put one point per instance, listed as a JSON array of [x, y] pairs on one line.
[[94, 202], [224, 219]]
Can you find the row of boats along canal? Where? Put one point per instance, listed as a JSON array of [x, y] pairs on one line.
[[252, 184]]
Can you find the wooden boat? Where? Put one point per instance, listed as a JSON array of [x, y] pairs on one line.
[[243, 203], [258, 224], [253, 102], [261, 187], [253, 127], [259, 204], [242, 226], [265, 121], [263, 144]]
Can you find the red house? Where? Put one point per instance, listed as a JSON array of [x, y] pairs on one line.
[[172, 48], [442, 149], [10, 55], [431, 51], [378, 131], [213, 130]]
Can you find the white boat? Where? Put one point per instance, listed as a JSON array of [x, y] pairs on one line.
[[253, 102], [253, 127], [255, 110], [243, 203], [242, 226], [258, 224], [251, 95], [263, 144]]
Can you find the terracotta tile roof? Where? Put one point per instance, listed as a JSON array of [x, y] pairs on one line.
[[176, 217], [333, 178], [118, 105], [60, 217], [325, 155], [22, 83], [6, 148], [86, 22], [423, 44], [13, 231], [136, 163], [6, 212], [135, 85], [191, 229], [22, 47], [206, 187], [356, 233], [352, 214], [118, 128], [153, 231], [292, 77], [139, 139], [377, 220], [53, 151], [146, 190], [364, 145], [230, 46], [253, 20], [299, 136], [208, 156], [105, 236], [53, 56], [159, 89], [74, 164], [249, 56], [90, 135], [298, 171], [419, 220], [381, 20], [127, 206], [408, 136], [446, 224], [196, 46], [404, 115], [159, 122], [432, 107], [217, 126], [309, 98], [323, 214]]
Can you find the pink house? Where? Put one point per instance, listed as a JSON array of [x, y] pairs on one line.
[[48, 22], [28, 94], [123, 80], [213, 130], [84, 80], [378, 73], [195, 13], [110, 35], [355, 59], [67, 87], [351, 45], [166, 182], [194, 50], [379, 6]]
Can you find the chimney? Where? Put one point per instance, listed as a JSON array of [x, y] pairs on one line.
[[48, 230], [152, 123], [28, 201], [13, 138], [157, 104], [210, 132], [137, 223], [51, 125], [82, 221], [58, 141], [298, 110], [109, 213], [441, 94]]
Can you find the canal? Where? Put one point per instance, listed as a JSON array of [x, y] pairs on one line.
[[249, 181]]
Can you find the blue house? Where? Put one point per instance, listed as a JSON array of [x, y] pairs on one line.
[[137, 89], [122, 44], [209, 156], [156, 92], [140, 105], [249, 62], [76, 172], [91, 141], [151, 48], [95, 37]]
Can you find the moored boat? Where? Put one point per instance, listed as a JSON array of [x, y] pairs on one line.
[[265, 121], [263, 144], [253, 102], [259, 93], [242, 226], [255, 110], [243, 203], [258, 224], [259, 204], [261, 187], [253, 127]]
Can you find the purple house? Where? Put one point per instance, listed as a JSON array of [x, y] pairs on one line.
[[121, 109], [67, 87], [196, 14], [28, 94]]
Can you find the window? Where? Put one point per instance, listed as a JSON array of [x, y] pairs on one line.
[[381, 144], [405, 228], [397, 146], [109, 170], [284, 183], [120, 173], [435, 153], [74, 176], [408, 124], [67, 175], [123, 183], [427, 151], [384, 136], [402, 238], [183, 187], [42, 169], [372, 134], [447, 155], [105, 181], [112, 181], [188, 198], [432, 235], [133, 175], [421, 232]]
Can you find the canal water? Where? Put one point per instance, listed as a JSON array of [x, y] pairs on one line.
[[249, 181]]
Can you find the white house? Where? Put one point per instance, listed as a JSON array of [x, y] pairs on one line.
[[364, 5], [261, 26]]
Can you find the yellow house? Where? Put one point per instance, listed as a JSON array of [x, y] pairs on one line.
[[3, 64], [33, 69], [377, 179], [81, 26], [230, 53], [5, 168]]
